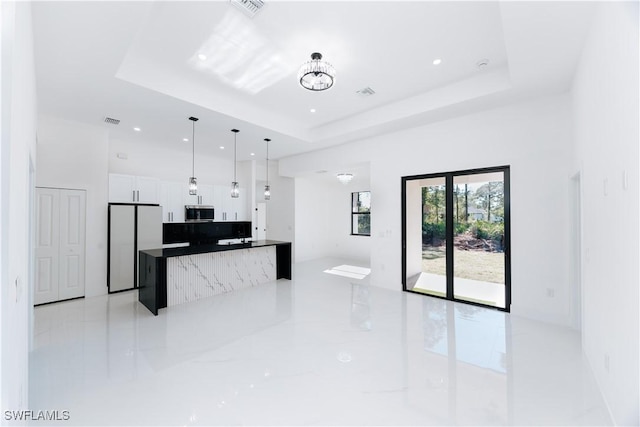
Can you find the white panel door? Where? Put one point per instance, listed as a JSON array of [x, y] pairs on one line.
[[72, 244], [47, 245], [122, 188], [121, 247], [261, 221]]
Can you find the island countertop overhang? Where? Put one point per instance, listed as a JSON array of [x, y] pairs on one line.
[[201, 249]]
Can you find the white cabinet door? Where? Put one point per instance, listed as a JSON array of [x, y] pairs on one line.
[[206, 194], [171, 200], [223, 203], [60, 244], [188, 199], [122, 188], [240, 206], [164, 201], [176, 203], [72, 244], [47, 245], [147, 190]]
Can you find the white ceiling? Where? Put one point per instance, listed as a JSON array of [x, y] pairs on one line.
[[137, 61]]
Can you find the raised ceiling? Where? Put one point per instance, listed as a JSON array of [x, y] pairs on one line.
[[139, 62]]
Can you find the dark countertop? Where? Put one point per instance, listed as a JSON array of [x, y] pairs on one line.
[[201, 249]]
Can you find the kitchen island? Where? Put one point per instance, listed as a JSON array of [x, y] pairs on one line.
[[173, 276]]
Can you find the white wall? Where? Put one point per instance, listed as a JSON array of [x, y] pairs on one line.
[[280, 209], [606, 132], [172, 164], [74, 155], [323, 218], [17, 158], [534, 138]]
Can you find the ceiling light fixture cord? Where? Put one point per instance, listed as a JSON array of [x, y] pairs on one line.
[[193, 182], [235, 189], [193, 149], [267, 188]]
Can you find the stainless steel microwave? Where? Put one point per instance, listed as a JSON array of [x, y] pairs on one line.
[[199, 213]]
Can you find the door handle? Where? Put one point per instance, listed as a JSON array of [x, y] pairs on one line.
[[134, 195]]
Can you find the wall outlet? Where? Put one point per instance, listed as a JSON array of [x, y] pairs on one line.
[[551, 292]]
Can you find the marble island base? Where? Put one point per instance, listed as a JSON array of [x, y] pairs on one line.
[[178, 275]]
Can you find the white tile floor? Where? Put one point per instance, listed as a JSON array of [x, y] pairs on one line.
[[317, 350]]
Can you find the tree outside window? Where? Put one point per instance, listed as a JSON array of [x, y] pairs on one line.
[[361, 213]]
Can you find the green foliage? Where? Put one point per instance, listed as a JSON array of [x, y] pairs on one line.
[[461, 227], [431, 231], [488, 230], [364, 224]]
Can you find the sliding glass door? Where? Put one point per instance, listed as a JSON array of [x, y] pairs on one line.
[[456, 229]]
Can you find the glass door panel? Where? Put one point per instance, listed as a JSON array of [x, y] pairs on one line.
[[456, 236], [478, 238], [429, 222]]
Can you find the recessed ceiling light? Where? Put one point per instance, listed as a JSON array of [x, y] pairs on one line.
[[313, 110], [185, 139], [202, 57], [253, 154], [137, 129], [437, 61], [221, 147]]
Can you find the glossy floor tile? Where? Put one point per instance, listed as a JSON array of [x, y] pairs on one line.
[[318, 350]]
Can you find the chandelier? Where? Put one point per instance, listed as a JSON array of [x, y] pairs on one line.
[[317, 75], [344, 178]]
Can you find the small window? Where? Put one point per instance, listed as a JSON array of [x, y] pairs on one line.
[[361, 213]]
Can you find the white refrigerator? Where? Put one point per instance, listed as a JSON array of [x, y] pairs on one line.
[[131, 228]]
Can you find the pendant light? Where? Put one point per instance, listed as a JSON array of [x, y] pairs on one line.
[[193, 183], [267, 187], [235, 190]]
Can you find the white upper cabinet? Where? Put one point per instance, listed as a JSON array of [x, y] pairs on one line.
[[148, 189], [171, 200], [226, 207], [122, 188], [133, 189], [206, 195]]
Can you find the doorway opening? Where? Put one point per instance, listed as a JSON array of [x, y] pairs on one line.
[[456, 234]]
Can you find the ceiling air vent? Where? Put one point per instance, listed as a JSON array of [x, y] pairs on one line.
[[250, 7], [111, 121], [367, 91]]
